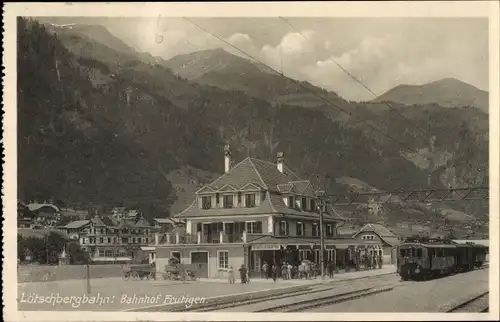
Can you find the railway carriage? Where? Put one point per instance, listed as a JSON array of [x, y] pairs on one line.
[[422, 258]]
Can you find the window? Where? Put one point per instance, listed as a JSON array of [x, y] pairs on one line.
[[300, 229], [101, 253], [239, 198], [206, 202], [109, 253], [250, 200], [254, 227], [222, 259], [315, 229], [419, 252], [198, 227], [329, 229], [217, 198], [284, 229], [133, 240], [313, 205], [291, 202], [228, 201], [109, 240], [101, 240], [303, 204]]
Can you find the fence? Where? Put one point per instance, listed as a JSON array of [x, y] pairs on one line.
[[43, 273]]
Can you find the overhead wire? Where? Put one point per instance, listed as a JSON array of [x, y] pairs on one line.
[[328, 102], [356, 79]]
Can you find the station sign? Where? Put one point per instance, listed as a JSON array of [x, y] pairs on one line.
[[266, 247]]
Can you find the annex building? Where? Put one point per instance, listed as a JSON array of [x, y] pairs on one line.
[[256, 211]]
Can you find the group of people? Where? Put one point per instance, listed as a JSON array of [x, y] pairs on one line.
[[244, 277], [306, 269]]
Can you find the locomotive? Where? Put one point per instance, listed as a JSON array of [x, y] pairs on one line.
[[422, 258]]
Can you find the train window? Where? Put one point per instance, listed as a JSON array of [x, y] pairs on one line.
[[402, 252], [419, 252]]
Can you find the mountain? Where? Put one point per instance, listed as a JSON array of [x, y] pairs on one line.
[[217, 67], [92, 130], [448, 92]]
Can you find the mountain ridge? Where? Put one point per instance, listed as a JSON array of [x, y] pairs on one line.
[[446, 92]]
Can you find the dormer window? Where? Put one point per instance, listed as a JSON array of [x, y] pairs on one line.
[[228, 201], [303, 203], [250, 200], [291, 202], [206, 202]]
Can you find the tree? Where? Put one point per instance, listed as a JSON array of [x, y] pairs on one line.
[[77, 256]]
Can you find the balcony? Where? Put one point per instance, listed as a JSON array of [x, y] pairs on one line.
[[198, 238]]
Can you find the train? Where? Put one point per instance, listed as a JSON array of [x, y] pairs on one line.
[[426, 258]]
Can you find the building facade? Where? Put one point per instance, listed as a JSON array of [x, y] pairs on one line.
[[112, 241], [256, 212], [382, 235]]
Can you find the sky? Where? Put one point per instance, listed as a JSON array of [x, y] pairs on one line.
[[381, 52]]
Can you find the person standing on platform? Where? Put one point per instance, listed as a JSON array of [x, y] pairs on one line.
[[230, 275], [380, 259], [274, 272], [243, 274], [265, 270], [330, 269]]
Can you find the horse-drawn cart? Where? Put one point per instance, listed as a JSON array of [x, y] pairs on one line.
[[139, 272], [179, 272]]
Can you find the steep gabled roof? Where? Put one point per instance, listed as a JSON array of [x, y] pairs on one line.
[[97, 221], [36, 206], [76, 224], [378, 229], [384, 233], [239, 175], [263, 173]]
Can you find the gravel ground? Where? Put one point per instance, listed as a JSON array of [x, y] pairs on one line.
[[427, 296]]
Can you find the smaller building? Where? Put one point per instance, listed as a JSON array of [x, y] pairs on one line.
[[25, 218], [108, 240], [46, 214], [379, 233]]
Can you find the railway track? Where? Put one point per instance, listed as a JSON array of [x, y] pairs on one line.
[[328, 300], [307, 292], [477, 303]]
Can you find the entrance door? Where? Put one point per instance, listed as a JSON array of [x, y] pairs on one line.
[[199, 261]]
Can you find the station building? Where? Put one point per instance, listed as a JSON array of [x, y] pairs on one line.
[[256, 211]]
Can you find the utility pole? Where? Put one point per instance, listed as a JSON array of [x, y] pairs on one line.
[[321, 234]]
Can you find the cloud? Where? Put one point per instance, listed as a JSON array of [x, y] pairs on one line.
[[382, 53]]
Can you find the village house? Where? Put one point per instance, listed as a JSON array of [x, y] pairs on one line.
[[256, 212], [107, 240], [46, 214], [379, 233], [25, 218]]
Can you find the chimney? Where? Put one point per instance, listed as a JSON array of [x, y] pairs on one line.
[[280, 161], [227, 158]]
